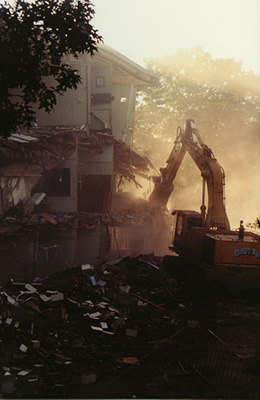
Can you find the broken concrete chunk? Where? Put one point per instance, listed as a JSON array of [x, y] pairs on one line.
[[102, 304], [93, 281], [57, 297], [86, 267], [95, 315], [113, 310], [73, 301], [37, 198], [23, 373], [88, 303], [11, 300], [96, 328], [44, 298], [52, 291], [30, 288], [23, 348]]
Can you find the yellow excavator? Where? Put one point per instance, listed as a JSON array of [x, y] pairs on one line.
[[204, 242]]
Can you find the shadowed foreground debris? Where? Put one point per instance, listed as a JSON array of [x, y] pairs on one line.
[[117, 330]]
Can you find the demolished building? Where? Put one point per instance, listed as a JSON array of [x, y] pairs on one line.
[[60, 178]]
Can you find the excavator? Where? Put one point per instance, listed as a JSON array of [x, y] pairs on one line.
[[205, 248]]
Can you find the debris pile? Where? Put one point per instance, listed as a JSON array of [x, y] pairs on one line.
[[120, 328], [82, 326]]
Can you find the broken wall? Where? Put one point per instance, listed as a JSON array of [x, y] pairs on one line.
[[14, 190], [101, 99], [123, 111]]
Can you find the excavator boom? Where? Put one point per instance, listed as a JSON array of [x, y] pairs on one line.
[[211, 172]]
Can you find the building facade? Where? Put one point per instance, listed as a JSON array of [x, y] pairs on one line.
[[70, 164]]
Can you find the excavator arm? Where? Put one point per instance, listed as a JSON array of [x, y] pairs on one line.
[[211, 172], [163, 184]]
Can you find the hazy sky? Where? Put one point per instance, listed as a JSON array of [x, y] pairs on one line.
[[141, 29]]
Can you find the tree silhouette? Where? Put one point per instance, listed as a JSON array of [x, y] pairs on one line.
[[34, 38]]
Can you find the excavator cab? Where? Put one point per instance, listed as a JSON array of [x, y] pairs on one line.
[[185, 221]]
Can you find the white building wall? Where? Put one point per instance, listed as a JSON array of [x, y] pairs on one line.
[[98, 164], [71, 108]]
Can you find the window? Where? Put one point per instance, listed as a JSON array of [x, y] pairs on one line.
[[193, 222], [100, 81], [57, 182], [179, 225]]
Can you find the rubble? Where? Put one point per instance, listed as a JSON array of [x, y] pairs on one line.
[[78, 327], [79, 332]]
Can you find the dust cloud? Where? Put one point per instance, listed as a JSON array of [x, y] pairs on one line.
[[237, 152], [139, 227], [223, 100]]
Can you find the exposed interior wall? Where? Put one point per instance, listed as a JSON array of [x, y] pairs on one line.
[[123, 110], [15, 190], [101, 98]]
